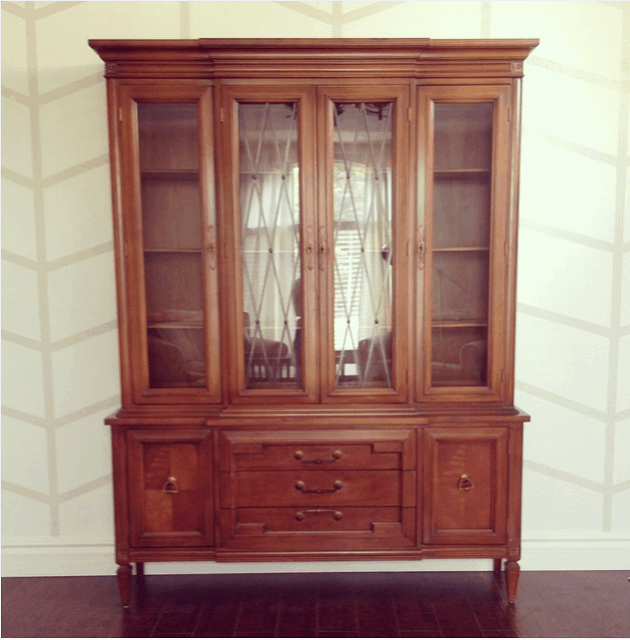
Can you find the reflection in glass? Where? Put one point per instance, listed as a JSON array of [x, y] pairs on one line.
[[362, 182], [270, 218], [171, 226], [461, 243]]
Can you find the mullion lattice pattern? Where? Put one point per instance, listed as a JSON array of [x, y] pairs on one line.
[[271, 240], [363, 241]]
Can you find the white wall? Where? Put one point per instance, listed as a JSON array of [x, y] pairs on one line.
[[60, 370]]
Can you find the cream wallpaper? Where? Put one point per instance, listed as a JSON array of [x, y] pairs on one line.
[[59, 344]]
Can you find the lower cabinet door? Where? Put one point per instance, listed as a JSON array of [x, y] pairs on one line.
[[170, 487], [465, 485]]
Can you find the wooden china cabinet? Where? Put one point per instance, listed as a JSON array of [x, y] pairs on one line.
[[315, 252]]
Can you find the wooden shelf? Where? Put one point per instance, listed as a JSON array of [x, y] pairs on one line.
[[170, 174], [193, 251], [459, 249], [175, 325], [460, 173], [459, 324]]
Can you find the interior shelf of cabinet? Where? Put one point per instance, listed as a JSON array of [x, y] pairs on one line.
[[175, 325], [163, 250], [460, 173], [458, 324], [459, 249], [171, 174]]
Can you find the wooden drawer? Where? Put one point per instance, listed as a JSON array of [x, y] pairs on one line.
[[306, 528], [318, 488], [344, 449]]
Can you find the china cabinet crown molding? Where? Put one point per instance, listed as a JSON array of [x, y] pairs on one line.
[[315, 245], [335, 57]]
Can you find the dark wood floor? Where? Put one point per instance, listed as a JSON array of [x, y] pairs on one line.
[[347, 605]]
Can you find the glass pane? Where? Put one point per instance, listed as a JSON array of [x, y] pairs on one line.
[[459, 356], [362, 183], [461, 211], [174, 319], [171, 227], [461, 243], [460, 286], [270, 215], [463, 136]]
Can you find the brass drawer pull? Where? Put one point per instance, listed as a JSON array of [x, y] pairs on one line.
[[465, 483], [335, 455], [300, 485], [300, 515], [170, 486]]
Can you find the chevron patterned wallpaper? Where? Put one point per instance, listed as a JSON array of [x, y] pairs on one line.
[[59, 349]]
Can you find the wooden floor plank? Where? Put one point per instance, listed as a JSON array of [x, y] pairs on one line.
[[353, 605]]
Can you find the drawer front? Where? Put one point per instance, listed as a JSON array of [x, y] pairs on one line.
[[315, 488], [319, 528], [465, 486], [170, 488], [345, 449]]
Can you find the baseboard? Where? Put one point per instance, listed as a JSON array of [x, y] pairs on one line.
[[575, 550], [541, 551]]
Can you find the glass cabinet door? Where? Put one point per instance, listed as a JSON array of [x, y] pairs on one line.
[[270, 182], [362, 273], [174, 230], [461, 235]]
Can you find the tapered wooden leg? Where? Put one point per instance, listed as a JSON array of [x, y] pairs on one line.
[[497, 565], [139, 568], [512, 571], [124, 584]]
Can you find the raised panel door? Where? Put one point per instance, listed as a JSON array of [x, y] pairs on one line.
[[465, 485], [170, 488]]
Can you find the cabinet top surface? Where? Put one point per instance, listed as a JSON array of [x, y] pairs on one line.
[[218, 45]]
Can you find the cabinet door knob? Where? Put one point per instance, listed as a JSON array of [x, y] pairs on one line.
[[465, 483], [300, 485], [171, 486]]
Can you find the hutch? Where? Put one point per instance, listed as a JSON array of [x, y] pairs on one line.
[[315, 250]]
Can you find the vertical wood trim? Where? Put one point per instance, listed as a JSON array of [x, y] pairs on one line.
[[500, 210], [426, 130], [134, 486], [234, 302], [121, 503], [116, 139], [514, 490], [512, 238], [325, 222], [209, 236], [307, 147], [132, 225]]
